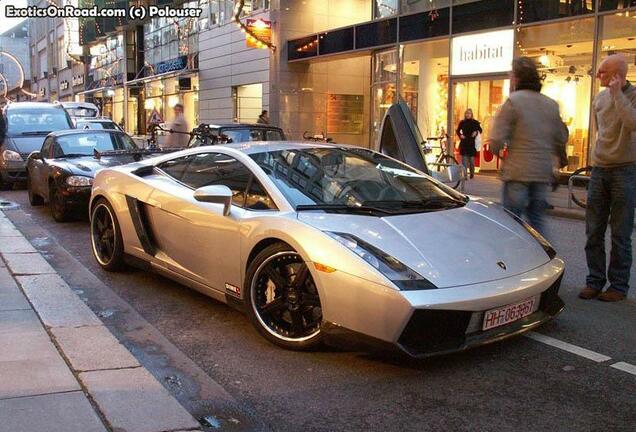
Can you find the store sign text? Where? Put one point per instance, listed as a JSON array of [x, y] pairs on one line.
[[172, 65], [483, 53]]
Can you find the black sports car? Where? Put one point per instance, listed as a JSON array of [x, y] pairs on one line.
[[62, 171]]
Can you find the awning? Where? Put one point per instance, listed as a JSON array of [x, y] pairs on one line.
[[99, 89], [161, 75]]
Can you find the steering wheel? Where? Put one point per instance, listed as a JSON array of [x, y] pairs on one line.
[[358, 188]]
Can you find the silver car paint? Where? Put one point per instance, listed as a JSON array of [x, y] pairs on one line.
[[208, 250]]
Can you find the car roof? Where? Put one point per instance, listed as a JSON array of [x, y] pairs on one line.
[[21, 105], [92, 119], [84, 131], [254, 147], [77, 104]]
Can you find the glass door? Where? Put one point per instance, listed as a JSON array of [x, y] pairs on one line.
[[484, 97], [383, 89]]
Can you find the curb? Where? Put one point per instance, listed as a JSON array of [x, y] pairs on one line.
[[123, 393]]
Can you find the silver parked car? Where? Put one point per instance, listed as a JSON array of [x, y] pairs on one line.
[[324, 242]]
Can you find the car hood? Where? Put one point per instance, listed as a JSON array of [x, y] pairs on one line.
[[88, 165], [27, 144], [450, 248]]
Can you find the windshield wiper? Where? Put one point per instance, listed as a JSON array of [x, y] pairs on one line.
[[74, 155], [343, 208], [435, 202], [35, 133]]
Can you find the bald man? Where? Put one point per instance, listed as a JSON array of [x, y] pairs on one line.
[[612, 189]]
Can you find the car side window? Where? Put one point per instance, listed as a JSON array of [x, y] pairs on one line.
[[45, 151], [175, 168], [257, 198], [207, 169]]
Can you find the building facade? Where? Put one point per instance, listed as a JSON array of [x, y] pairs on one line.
[[15, 42], [444, 56]]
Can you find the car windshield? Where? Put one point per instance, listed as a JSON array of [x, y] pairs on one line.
[[96, 125], [85, 143], [31, 121], [82, 112], [256, 134], [348, 178]]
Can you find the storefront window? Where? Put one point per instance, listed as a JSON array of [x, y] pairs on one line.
[[474, 15], [540, 10], [618, 36], [413, 6], [606, 5], [384, 8], [385, 65], [167, 38], [107, 59], [563, 52], [425, 19], [424, 84]]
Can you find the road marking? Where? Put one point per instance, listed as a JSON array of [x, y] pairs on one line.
[[625, 367], [582, 352]]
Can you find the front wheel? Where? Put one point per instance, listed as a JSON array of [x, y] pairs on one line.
[[106, 238], [57, 204], [282, 299]]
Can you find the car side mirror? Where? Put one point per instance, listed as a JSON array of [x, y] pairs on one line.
[[216, 194], [35, 155]]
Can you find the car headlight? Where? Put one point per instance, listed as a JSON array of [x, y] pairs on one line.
[[547, 247], [10, 155], [397, 272], [79, 181]]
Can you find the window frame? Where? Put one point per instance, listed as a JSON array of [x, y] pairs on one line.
[[250, 181]]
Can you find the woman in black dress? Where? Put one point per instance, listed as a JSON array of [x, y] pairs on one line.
[[467, 131]]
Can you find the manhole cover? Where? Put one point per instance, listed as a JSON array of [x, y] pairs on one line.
[[8, 205]]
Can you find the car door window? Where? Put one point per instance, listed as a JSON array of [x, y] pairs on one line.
[[207, 169], [45, 151], [175, 168], [257, 198]]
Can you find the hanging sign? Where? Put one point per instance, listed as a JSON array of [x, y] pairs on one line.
[[483, 53], [262, 30], [155, 117]]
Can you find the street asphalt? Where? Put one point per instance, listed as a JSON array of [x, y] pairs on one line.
[[196, 344]]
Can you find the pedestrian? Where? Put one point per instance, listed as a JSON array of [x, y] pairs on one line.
[[529, 125], [612, 189], [467, 131], [179, 137], [263, 118]]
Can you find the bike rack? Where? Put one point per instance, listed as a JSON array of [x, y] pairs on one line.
[[571, 186]]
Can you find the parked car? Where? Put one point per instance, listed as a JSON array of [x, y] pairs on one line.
[[96, 123], [28, 123], [241, 132], [62, 172], [324, 242], [81, 109]]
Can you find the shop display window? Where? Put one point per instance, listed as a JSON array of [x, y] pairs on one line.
[[384, 88], [541, 10], [376, 33], [563, 52], [336, 41], [606, 5], [424, 84]]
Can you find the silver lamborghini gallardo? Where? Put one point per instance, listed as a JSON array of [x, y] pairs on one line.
[[329, 243]]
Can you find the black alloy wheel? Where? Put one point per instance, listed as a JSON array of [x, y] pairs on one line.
[[106, 239], [57, 204], [283, 300], [34, 199]]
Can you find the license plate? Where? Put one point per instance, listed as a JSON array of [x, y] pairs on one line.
[[513, 312]]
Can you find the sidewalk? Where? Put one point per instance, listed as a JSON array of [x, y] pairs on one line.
[[61, 370], [489, 186]]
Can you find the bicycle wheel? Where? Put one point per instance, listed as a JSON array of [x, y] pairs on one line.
[[446, 162], [579, 187]]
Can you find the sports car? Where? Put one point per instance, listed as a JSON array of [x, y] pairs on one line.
[[328, 243]]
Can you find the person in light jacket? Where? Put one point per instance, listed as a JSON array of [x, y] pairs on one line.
[[529, 125], [179, 138]]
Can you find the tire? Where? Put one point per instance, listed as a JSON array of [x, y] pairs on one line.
[[5, 185], [580, 199], [103, 218], [449, 160], [34, 199], [57, 205], [285, 314]]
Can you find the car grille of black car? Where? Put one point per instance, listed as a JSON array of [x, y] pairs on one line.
[[432, 331]]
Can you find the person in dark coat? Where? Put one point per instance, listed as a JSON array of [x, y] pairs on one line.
[[467, 131]]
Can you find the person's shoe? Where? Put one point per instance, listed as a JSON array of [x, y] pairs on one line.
[[588, 293], [612, 295], [472, 176]]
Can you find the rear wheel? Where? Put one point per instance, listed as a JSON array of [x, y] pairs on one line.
[[34, 199], [58, 205], [106, 238], [282, 299]]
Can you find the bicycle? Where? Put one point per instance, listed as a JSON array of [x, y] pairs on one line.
[[446, 167], [578, 184]]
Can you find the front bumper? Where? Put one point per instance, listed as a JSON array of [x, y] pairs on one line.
[[433, 322], [77, 198], [13, 171]]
